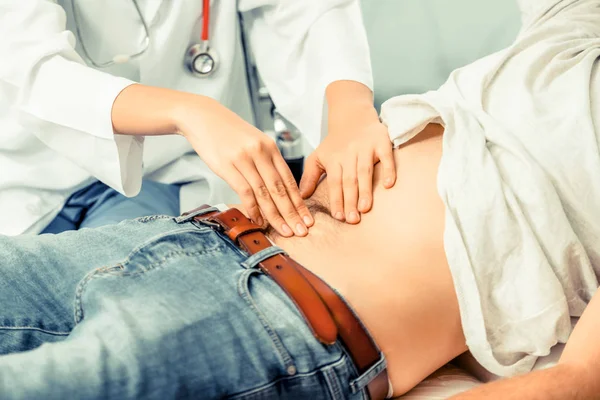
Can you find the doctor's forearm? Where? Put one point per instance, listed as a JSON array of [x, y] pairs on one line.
[[147, 110], [347, 98]]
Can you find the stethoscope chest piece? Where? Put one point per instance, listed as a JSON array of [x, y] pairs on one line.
[[201, 60]]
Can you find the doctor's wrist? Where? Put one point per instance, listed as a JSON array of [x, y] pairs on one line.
[[351, 117], [348, 96], [191, 110], [349, 103]]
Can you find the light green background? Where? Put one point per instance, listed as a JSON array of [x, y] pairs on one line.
[[415, 44]]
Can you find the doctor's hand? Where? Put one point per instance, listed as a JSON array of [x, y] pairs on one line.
[[356, 141], [249, 161]]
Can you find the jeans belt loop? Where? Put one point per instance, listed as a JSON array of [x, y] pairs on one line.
[[326, 313], [196, 212]]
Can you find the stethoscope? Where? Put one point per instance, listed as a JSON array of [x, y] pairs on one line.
[[200, 59]]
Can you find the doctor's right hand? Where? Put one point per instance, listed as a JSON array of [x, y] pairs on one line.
[[246, 158], [249, 161]]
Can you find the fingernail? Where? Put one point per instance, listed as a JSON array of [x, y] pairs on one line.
[[259, 221], [300, 229], [353, 217], [307, 220], [388, 182], [339, 215], [362, 204], [286, 230]]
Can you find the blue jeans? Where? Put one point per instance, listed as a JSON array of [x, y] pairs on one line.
[[155, 308], [97, 205]]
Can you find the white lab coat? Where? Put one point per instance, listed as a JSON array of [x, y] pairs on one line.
[[55, 112]]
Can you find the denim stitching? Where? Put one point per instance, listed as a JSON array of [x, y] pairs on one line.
[[333, 383], [257, 390], [355, 385], [32, 328], [155, 238], [167, 257], [354, 371], [78, 309], [104, 271], [244, 292], [149, 218]]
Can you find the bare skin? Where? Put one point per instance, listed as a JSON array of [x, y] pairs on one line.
[[254, 167], [392, 266], [392, 269], [575, 376]]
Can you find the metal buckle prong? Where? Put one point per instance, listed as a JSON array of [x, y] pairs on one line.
[[214, 225]]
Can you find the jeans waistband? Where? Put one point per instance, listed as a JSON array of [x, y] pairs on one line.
[[328, 315]]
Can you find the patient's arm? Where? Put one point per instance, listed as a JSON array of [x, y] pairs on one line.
[[574, 377]]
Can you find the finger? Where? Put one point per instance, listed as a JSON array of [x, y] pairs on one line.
[[244, 190], [311, 175], [385, 153], [350, 187], [364, 169], [277, 188], [292, 189], [259, 189], [336, 196]]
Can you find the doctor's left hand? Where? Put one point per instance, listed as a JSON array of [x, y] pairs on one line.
[[249, 161], [356, 141]]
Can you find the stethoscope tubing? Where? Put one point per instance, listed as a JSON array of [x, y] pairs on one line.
[[197, 54]]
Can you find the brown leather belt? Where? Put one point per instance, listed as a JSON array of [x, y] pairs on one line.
[[325, 312]]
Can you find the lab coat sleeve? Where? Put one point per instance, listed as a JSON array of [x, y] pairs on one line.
[[300, 47], [66, 104]]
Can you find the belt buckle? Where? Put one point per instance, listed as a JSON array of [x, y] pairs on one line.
[[211, 224]]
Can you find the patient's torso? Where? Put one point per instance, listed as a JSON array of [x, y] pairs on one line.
[[360, 260], [397, 245]]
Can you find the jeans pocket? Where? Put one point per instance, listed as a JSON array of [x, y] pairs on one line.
[[81, 287], [156, 253], [245, 292]]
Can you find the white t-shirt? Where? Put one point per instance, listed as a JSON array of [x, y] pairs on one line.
[[520, 180]]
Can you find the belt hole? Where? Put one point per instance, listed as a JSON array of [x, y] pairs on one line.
[[234, 219], [256, 241], [278, 266]]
